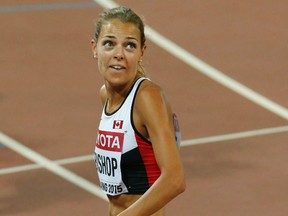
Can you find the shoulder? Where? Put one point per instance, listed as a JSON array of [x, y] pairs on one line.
[[103, 94], [149, 89], [151, 99], [148, 92]]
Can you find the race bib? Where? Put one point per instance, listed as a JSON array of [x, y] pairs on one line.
[[108, 152]]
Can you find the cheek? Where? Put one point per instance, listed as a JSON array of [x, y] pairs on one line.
[[102, 61], [101, 66], [133, 62]]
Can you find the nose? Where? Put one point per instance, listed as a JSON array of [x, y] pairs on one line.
[[119, 54]]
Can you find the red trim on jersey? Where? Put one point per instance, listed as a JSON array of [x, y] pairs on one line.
[[147, 154]]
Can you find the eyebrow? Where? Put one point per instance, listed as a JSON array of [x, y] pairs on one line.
[[109, 36], [132, 38], [113, 37]]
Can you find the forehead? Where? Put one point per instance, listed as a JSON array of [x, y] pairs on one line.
[[120, 29]]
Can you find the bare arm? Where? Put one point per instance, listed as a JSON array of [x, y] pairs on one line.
[[156, 115]]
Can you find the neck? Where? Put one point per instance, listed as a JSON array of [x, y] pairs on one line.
[[116, 95]]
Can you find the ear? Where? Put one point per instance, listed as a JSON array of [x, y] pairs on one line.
[[143, 51], [93, 47]]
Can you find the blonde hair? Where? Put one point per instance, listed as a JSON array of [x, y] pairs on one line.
[[141, 70]]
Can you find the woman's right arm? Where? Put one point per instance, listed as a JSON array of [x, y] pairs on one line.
[[103, 94]]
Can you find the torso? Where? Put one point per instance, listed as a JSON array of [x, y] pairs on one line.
[[139, 133], [119, 203]]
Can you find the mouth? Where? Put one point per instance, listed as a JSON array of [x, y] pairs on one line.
[[117, 67]]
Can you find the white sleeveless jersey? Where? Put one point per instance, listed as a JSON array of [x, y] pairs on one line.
[[124, 159]]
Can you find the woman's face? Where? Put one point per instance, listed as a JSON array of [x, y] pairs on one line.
[[118, 51]]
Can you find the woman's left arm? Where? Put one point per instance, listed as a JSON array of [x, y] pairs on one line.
[[157, 117]]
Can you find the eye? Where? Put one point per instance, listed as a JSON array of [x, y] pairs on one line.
[[107, 44], [131, 45]]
